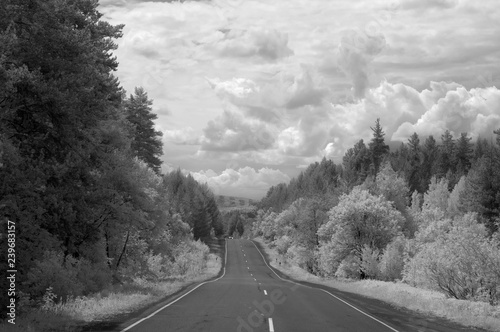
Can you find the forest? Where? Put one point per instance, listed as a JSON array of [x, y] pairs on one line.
[[80, 167], [427, 214]]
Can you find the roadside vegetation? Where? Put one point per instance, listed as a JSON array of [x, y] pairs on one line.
[[76, 313], [397, 293], [417, 227], [100, 229]]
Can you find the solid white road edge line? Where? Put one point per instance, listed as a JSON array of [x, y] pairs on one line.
[[271, 325], [350, 305], [180, 297]]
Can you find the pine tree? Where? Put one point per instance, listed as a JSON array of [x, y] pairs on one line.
[[430, 154], [377, 147], [464, 153], [446, 155], [413, 168], [146, 143]]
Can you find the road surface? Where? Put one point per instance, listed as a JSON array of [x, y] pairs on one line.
[[250, 296]]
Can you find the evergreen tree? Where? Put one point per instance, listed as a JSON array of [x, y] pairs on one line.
[[446, 156], [146, 142], [464, 153], [482, 191], [413, 169], [430, 152], [377, 147]]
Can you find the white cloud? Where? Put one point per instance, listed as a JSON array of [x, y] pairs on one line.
[[282, 95], [233, 132], [245, 181], [182, 136], [268, 44], [475, 111], [356, 51]]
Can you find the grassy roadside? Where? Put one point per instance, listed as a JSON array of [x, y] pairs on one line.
[[76, 313], [468, 313]]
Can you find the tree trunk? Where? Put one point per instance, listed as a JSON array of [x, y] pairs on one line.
[[123, 250]]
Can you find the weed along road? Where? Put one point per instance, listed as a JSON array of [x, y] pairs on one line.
[[250, 296]]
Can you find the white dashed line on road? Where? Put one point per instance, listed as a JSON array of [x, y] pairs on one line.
[[271, 325], [265, 293]]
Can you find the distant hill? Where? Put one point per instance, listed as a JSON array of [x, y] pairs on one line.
[[227, 203]]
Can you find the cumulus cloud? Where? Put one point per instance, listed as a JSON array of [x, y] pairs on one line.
[[404, 110], [285, 90], [182, 136], [304, 91], [233, 132], [268, 44], [475, 111], [356, 51], [235, 89], [245, 181], [277, 93]]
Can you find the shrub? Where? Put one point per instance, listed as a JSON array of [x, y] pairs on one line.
[[55, 273], [461, 262], [392, 260], [283, 244], [66, 276], [369, 262], [349, 268]]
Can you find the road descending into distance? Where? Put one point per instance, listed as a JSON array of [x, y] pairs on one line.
[[250, 296]]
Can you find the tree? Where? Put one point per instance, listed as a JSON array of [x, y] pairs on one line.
[[429, 166], [414, 164], [360, 219], [437, 195], [146, 142], [461, 262], [446, 155], [394, 189], [482, 191], [463, 155], [356, 164], [377, 147]]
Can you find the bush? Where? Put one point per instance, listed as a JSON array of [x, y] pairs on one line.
[[190, 258], [369, 262], [301, 257], [66, 277], [392, 260], [53, 272], [283, 244], [462, 262], [349, 268], [329, 258]]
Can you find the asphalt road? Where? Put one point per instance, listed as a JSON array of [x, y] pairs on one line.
[[250, 296]]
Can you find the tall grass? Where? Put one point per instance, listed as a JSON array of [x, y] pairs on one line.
[[468, 313]]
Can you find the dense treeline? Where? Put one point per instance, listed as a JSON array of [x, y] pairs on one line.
[[427, 213], [80, 173], [238, 222]]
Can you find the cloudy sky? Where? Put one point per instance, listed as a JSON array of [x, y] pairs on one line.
[[249, 92]]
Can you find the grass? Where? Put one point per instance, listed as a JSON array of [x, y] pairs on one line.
[[468, 313], [73, 314]]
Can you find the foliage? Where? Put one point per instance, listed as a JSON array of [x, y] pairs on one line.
[[374, 228], [146, 142], [461, 262], [392, 260], [360, 219], [79, 162]]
